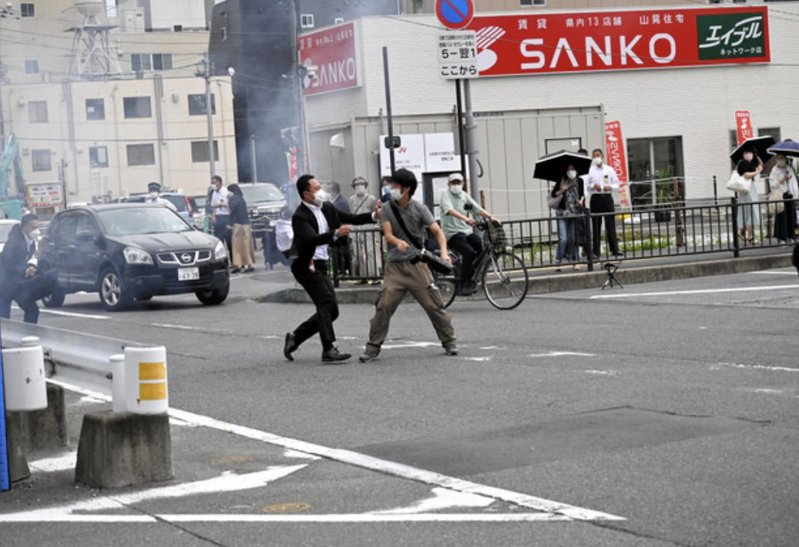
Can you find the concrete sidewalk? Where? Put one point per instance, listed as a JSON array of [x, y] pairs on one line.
[[546, 280]]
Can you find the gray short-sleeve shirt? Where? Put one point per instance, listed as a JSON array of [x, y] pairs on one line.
[[416, 217]]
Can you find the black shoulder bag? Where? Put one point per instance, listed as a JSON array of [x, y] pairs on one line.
[[433, 261]]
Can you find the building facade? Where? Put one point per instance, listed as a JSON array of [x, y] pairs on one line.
[[676, 122]]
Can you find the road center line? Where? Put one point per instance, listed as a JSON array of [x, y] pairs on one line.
[[696, 291], [383, 466]]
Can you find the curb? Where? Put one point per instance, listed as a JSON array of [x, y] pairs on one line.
[[573, 281]]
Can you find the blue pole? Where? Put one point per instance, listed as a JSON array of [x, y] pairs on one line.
[[5, 475]]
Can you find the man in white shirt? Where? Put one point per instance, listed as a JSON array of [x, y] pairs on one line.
[[600, 183], [154, 196], [220, 214]]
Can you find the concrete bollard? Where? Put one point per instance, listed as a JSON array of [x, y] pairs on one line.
[[146, 380], [119, 449], [44, 429]]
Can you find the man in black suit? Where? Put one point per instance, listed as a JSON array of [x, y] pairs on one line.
[[20, 279], [317, 224]]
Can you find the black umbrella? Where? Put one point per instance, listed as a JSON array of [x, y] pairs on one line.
[[553, 166], [786, 148], [759, 144]]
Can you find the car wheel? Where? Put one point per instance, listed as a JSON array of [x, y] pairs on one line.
[[113, 294], [55, 299], [213, 296]]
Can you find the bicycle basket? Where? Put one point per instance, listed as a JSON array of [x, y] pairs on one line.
[[496, 236]]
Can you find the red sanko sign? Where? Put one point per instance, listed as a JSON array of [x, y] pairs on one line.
[[743, 125], [546, 43], [330, 55]]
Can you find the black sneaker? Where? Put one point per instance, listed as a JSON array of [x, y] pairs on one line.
[[333, 355]]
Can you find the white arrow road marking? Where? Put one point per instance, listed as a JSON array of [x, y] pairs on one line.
[[442, 499], [364, 518], [227, 482], [696, 291], [383, 466]]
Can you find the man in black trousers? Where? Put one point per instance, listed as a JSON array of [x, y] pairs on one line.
[[20, 278], [317, 224]]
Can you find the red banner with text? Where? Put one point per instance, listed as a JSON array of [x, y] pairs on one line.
[[743, 125], [617, 159], [546, 43]]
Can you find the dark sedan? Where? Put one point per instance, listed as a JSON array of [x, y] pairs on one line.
[[128, 251]]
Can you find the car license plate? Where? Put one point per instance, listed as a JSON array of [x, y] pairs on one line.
[[188, 274]]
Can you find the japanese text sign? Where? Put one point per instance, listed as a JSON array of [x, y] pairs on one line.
[[457, 54], [330, 55], [545, 43], [617, 159], [743, 125]]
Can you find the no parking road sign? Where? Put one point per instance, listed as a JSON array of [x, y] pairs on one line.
[[455, 14]]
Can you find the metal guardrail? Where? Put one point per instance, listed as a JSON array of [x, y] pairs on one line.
[[646, 232], [72, 357]]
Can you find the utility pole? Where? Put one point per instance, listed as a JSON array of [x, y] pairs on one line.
[[471, 141], [205, 72], [253, 159]]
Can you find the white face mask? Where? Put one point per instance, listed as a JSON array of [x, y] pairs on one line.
[[456, 189], [597, 161], [360, 190], [395, 193], [782, 163], [153, 195], [320, 197], [571, 174]]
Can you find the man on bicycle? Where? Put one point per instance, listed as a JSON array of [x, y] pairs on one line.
[[457, 208]]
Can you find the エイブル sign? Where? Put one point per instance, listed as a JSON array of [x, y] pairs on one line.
[[544, 43]]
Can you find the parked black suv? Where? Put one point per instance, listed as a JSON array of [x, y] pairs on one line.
[[131, 251]]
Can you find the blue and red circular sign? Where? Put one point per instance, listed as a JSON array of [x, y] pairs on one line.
[[455, 14]]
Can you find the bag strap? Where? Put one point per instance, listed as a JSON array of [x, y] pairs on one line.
[[401, 223]]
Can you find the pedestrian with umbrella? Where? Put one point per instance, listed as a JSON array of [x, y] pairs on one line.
[[749, 157], [567, 199], [783, 174]]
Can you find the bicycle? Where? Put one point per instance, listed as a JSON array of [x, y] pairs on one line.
[[501, 274]]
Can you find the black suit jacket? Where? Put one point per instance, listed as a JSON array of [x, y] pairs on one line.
[[306, 231], [14, 260]]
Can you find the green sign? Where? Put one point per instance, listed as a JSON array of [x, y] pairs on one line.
[[731, 36]]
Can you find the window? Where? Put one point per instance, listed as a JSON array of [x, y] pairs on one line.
[[654, 164], [95, 109], [338, 20], [31, 67], [141, 154], [27, 9], [98, 156], [137, 107], [772, 131], [197, 105], [37, 112], [140, 62], [199, 151], [306, 20], [41, 160]]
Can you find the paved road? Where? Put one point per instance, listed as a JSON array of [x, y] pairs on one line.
[[657, 414]]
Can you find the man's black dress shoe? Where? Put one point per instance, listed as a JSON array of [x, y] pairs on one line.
[[289, 346], [333, 355]]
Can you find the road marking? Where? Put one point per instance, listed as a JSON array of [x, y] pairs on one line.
[[411, 345], [603, 372], [478, 359], [227, 482], [695, 291], [773, 272], [754, 367], [382, 466], [561, 354], [442, 499], [363, 518], [74, 314], [187, 327]]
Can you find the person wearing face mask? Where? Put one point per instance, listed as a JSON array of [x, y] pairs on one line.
[[749, 167], [457, 221], [362, 245], [317, 224], [20, 278], [783, 177], [600, 184], [154, 196], [220, 213], [571, 191], [404, 223]]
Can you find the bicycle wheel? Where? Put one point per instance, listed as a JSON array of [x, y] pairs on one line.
[[446, 286], [505, 280]]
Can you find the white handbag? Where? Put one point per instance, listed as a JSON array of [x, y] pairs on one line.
[[737, 183]]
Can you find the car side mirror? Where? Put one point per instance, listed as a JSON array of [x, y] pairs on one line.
[[84, 236]]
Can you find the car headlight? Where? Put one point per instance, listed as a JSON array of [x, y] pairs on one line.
[[220, 251], [137, 256]]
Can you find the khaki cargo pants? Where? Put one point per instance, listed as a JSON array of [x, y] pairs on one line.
[[398, 279]]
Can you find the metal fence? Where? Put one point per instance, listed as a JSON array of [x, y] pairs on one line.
[[644, 232]]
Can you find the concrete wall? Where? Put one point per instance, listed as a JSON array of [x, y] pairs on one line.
[[695, 104]]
